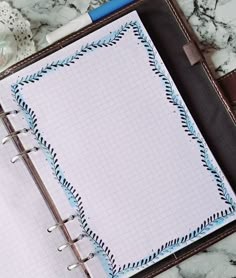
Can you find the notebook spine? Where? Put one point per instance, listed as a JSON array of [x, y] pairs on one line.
[[23, 154]]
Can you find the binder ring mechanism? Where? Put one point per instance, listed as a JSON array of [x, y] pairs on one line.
[[57, 225], [67, 244], [72, 242], [75, 265], [20, 155], [15, 134], [7, 113]]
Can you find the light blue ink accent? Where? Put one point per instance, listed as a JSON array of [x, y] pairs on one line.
[[106, 258], [170, 248], [107, 8]]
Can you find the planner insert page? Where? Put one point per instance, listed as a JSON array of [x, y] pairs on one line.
[[119, 146], [26, 248]]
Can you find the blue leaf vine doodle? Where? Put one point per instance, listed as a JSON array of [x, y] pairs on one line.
[[102, 250]]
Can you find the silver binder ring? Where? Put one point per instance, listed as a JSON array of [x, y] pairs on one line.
[[19, 155], [64, 246], [14, 134], [55, 226], [75, 265], [5, 114]]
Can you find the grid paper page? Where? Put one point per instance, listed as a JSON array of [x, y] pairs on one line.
[[117, 138], [27, 250]]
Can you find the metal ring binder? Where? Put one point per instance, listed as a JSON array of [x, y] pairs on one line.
[[55, 226], [5, 114], [13, 134], [64, 246], [19, 155], [75, 265]]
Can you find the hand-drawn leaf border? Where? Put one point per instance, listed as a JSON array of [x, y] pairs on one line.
[[102, 250]]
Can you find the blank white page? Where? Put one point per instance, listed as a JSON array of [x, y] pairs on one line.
[[118, 139], [27, 250]]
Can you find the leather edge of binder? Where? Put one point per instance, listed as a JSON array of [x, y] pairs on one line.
[[228, 84], [43, 190], [182, 255], [193, 53], [191, 36]]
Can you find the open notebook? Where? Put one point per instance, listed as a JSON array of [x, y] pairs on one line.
[[116, 145], [26, 248]]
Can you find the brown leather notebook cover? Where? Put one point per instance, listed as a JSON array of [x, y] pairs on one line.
[[202, 94], [228, 84]]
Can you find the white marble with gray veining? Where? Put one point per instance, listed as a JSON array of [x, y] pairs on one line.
[[214, 22], [47, 15], [218, 261]]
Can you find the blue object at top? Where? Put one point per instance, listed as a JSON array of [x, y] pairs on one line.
[[107, 8]]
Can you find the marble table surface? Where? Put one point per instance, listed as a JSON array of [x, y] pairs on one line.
[[214, 22]]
